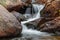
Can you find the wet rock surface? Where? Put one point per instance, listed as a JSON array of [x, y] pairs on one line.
[[9, 25]]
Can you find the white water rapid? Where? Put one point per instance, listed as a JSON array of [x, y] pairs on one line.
[[31, 32]]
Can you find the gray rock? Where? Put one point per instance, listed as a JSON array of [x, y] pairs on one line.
[[18, 15]]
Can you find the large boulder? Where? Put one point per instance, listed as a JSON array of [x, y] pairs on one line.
[[50, 17], [51, 26], [13, 4], [9, 25], [50, 11]]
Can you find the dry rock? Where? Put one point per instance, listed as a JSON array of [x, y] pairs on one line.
[[9, 25], [51, 26]]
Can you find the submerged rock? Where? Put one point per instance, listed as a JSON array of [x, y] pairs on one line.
[[9, 25], [51, 26]]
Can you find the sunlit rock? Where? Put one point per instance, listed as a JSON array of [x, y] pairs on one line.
[[9, 25]]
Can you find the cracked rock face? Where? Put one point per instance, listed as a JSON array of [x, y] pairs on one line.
[[9, 25]]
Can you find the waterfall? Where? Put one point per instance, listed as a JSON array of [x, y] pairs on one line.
[[31, 32], [25, 30], [37, 9]]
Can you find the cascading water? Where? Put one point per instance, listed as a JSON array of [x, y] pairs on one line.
[[31, 32], [37, 9]]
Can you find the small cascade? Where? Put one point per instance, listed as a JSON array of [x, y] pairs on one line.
[[37, 9], [30, 32]]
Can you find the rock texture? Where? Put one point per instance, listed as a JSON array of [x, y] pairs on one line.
[[13, 4], [9, 25], [51, 9], [51, 26], [41, 1], [18, 15], [49, 22]]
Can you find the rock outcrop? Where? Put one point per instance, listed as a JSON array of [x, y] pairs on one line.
[[9, 25], [50, 17], [14, 5], [51, 9], [51, 26]]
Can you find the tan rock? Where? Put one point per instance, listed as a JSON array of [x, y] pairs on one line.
[[51, 26], [12, 4], [51, 10], [9, 25], [41, 1], [49, 14]]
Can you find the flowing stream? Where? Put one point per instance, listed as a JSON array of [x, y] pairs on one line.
[[31, 32]]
